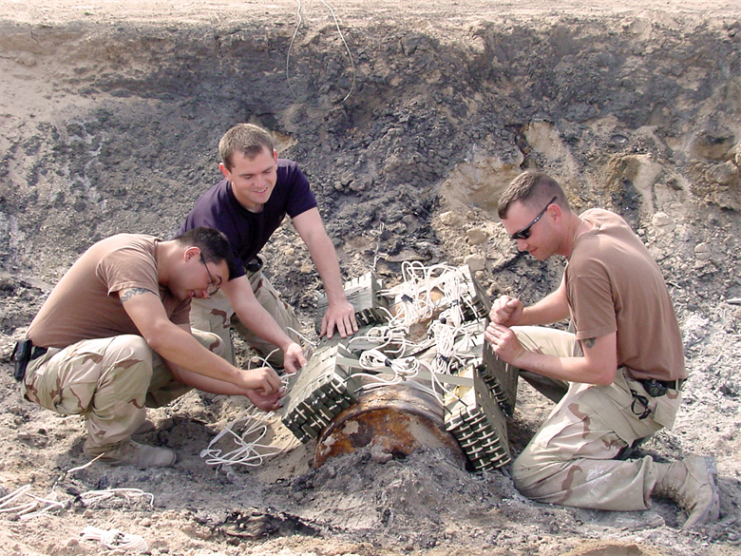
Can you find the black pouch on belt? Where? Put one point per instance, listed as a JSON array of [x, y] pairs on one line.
[[21, 356], [254, 265]]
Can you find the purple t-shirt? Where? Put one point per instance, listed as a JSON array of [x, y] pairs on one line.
[[247, 231]]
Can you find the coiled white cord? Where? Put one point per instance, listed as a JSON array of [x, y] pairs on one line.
[[115, 539]]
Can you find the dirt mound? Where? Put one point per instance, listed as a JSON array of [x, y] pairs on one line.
[[408, 119]]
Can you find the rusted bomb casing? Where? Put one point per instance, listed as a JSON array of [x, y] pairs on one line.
[[398, 419]]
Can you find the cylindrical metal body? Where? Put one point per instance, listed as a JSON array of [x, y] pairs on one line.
[[398, 420]]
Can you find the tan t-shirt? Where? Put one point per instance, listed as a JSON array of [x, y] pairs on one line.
[[85, 304], [613, 285]]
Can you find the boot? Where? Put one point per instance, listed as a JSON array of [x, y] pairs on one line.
[[129, 452], [691, 484], [145, 427]]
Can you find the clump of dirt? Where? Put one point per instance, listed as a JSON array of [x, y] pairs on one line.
[[408, 129]]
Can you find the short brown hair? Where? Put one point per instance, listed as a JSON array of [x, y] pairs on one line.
[[247, 139], [213, 244], [532, 189]]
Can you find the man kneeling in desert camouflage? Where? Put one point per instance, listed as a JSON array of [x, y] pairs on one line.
[[617, 379], [114, 338]]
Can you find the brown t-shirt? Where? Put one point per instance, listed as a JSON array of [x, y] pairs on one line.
[[613, 285], [85, 304]]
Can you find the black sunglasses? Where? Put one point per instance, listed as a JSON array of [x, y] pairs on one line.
[[525, 232]]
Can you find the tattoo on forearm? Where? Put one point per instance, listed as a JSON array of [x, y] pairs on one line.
[[131, 293], [589, 342]]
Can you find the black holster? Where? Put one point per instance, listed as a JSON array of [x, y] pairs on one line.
[[21, 356]]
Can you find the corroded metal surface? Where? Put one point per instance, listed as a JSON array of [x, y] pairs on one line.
[[397, 420]]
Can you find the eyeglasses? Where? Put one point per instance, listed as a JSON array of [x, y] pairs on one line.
[[213, 287], [525, 232]]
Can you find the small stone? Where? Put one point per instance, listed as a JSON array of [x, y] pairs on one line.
[[661, 220], [411, 223], [723, 174], [703, 252], [476, 236], [451, 218], [475, 262]]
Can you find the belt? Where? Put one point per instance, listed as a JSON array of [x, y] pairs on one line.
[[37, 352], [669, 384], [657, 388]]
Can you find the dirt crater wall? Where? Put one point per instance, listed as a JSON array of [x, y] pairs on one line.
[[407, 139], [115, 129]]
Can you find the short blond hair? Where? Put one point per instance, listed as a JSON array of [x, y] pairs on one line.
[[532, 189], [248, 139]]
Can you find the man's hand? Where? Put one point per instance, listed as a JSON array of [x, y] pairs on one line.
[[264, 379], [293, 358], [265, 389], [504, 342], [266, 402], [506, 310], [340, 316]]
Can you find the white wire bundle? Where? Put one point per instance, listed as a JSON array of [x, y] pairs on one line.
[[450, 285], [26, 509], [414, 297], [248, 452], [415, 301], [115, 539], [94, 496], [375, 360], [445, 336], [391, 340]]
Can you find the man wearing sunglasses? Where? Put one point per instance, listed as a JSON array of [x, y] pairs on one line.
[[114, 338], [616, 379]]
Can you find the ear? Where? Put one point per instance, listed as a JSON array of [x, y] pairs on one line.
[[225, 171], [191, 252], [275, 156], [555, 211]]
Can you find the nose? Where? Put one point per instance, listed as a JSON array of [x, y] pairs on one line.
[[201, 294], [522, 245]]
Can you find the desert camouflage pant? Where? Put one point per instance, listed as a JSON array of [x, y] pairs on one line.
[[216, 315], [109, 380], [574, 459]]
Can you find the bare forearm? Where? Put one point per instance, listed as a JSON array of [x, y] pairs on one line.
[[597, 366], [207, 384], [550, 309], [258, 320], [571, 369], [181, 349], [325, 259]]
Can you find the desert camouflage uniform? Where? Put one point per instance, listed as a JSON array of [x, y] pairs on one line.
[[109, 380], [572, 460], [216, 315]]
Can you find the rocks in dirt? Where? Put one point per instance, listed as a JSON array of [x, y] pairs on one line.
[[475, 262], [725, 173], [451, 218], [476, 236], [715, 143]]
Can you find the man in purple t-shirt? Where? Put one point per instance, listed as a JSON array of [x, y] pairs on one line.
[[248, 205]]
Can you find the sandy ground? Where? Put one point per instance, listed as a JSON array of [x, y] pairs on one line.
[[91, 139]]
